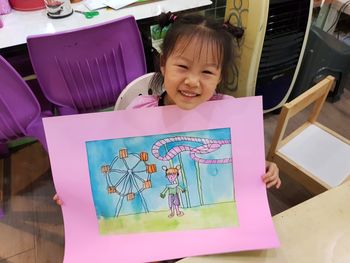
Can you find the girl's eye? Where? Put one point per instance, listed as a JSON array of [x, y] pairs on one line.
[[208, 72], [182, 66]]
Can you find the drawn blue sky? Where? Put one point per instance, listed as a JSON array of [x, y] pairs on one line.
[[217, 179]]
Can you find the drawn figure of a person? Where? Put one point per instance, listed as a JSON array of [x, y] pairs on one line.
[[173, 190]]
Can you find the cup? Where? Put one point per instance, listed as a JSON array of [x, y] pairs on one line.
[[58, 8]]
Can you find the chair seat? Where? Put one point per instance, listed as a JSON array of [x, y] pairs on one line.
[[331, 164]]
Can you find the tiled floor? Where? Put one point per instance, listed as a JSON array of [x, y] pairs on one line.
[[32, 229]]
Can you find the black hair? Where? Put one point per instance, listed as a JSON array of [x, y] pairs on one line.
[[194, 26]]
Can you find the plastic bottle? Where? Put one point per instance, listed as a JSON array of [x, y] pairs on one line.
[[5, 7]]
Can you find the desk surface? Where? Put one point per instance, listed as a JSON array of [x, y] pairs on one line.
[[18, 25], [317, 230]]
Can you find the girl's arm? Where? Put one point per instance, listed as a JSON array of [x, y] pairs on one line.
[[271, 177], [162, 194], [181, 189]]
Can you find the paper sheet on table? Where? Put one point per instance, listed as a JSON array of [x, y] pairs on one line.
[[117, 4], [94, 4], [98, 159], [81, 7]]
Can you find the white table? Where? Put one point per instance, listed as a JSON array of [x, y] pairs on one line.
[[317, 230], [18, 25]]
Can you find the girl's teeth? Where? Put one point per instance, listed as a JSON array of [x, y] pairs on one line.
[[188, 94]]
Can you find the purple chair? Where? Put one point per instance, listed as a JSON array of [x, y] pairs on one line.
[[84, 70], [20, 113]]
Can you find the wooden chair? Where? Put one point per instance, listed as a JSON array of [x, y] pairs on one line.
[[314, 155]]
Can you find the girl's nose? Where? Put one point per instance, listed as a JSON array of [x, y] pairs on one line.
[[192, 80]]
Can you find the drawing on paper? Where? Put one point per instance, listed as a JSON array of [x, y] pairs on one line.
[[128, 175], [173, 190], [164, 182]]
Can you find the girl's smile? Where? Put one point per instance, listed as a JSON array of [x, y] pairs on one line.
[[188, 93]]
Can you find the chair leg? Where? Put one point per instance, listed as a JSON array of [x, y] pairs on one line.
[[2, 213], [4, 151], [2, 172], [5, 178]]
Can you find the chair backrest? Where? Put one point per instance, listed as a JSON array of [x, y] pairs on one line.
[[317, 95], [18, 106], [20, 112], [139, 86], [85, 70]]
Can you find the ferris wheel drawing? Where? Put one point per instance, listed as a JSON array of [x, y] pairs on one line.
[[127, 176]]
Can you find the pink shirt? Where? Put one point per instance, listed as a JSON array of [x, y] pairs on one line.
[[152, 101]]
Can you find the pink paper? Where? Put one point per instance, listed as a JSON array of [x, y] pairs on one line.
[[67, 137]]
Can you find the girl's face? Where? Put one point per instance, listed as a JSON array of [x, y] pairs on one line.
[[191, 74], [172, 176]]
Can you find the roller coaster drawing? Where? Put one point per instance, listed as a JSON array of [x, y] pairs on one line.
[[208, 146]]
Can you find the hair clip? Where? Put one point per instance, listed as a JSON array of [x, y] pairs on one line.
[[237, 32], [172, 17]]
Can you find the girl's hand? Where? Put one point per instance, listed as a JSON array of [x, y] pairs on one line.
[[271, 178], [57, 199]]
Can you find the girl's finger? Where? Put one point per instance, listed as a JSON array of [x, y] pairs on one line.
[[267, 178], [279, 182], [272, 183], [57, 200], [276, 183]]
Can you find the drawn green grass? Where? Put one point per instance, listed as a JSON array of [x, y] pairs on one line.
[[208, 216]]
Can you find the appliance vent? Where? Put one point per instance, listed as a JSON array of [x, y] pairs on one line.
[[285, 31]]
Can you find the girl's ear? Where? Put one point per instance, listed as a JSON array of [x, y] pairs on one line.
[[220, 85], [162, 64]]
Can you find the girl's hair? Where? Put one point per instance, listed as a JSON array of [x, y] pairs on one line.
[[172, 171], [203, 29]]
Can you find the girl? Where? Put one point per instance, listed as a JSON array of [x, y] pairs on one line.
[[196, 55], [173, 189]]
